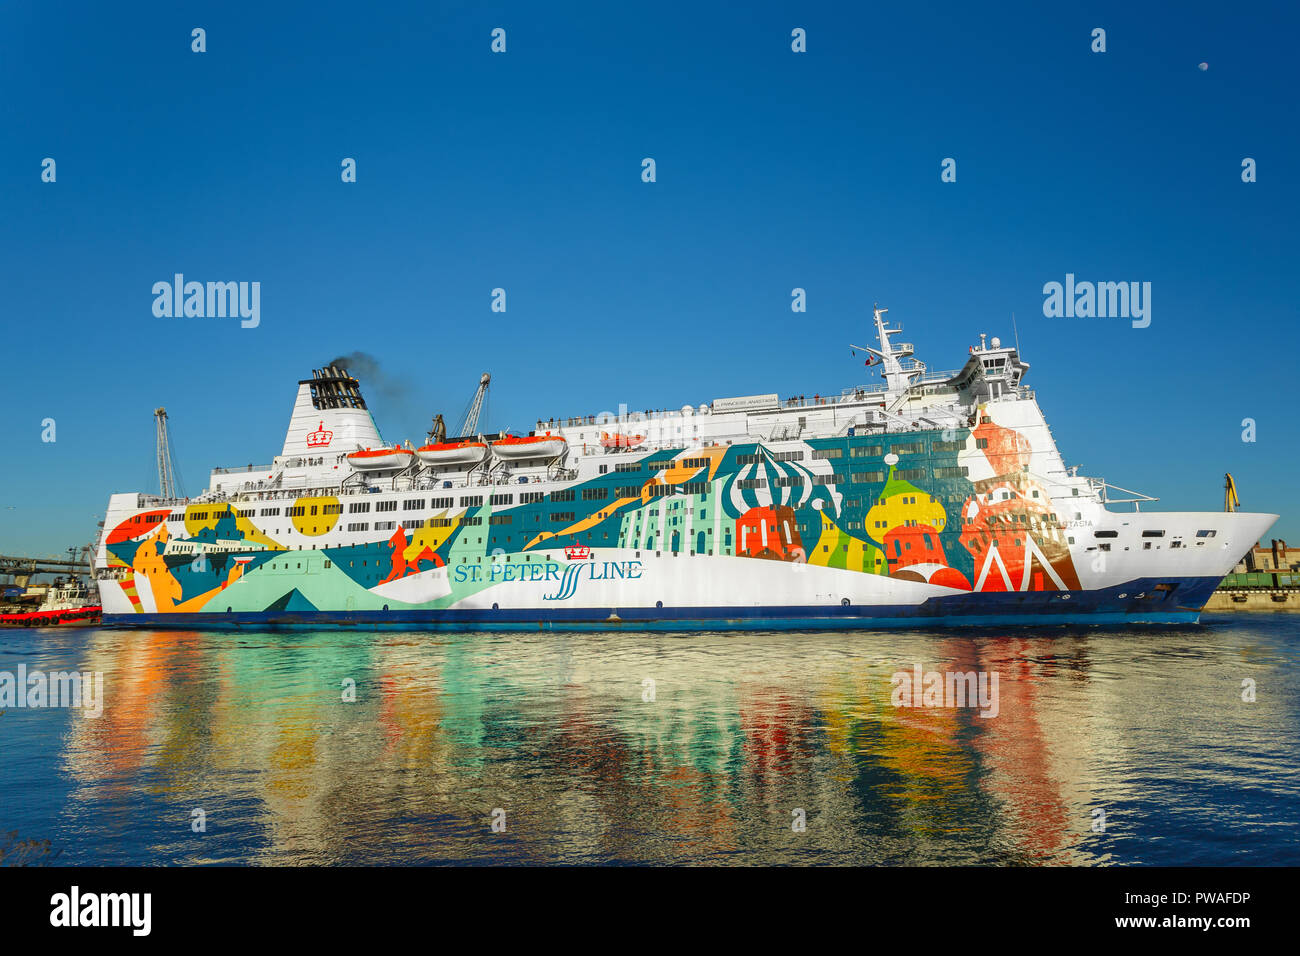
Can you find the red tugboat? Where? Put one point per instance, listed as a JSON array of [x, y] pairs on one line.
[[66, 604]]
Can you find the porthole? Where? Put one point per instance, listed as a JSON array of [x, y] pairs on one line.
[[659, 603]]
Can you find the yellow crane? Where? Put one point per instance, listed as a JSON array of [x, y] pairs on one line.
[[1230, 500]]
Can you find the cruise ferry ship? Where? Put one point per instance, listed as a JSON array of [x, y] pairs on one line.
[[928, 499]]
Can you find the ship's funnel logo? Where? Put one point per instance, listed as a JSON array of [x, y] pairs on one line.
[[320, 438]]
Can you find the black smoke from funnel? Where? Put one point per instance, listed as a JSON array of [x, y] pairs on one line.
[[367, 370]]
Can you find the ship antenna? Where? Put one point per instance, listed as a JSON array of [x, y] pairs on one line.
[[1016, 332]]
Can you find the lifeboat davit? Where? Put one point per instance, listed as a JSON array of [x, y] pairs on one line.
[[452, 453], [529, 446], [380, 459], [620, 441]]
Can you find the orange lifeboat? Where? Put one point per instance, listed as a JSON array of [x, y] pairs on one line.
[[452, 453], [530, 446], [380, 459]]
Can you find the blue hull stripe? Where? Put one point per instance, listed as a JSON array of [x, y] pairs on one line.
[[1181, 605]]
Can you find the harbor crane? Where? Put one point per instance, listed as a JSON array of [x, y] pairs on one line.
[[469, 427], [169, 485]]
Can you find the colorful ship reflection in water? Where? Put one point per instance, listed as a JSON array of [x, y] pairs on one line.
[[559, 731]]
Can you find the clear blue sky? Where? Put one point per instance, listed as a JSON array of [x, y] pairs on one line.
[[522, 170]]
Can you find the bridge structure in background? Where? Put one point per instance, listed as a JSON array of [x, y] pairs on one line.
[[17, 570]]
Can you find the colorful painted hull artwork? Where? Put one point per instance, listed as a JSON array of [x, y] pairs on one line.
[[929, 499]]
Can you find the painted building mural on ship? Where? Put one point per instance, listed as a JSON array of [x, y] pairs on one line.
[[958, 509]]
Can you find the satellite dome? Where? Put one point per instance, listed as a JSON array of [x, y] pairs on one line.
[[997, 342]]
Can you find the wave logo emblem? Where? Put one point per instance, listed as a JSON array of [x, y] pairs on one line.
[[568, 584]]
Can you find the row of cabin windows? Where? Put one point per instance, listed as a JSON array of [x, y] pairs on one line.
[[1151, 533], [415, 504], [466, 501], [898, 448], [700, 488], [298, 511], [771, 455]]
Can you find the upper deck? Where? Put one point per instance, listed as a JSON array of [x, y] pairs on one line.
[[330, 420]]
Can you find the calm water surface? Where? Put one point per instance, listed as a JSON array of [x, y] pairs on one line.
[[1148, 726]]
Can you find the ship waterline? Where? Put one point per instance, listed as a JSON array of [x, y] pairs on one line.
[[933, 499]]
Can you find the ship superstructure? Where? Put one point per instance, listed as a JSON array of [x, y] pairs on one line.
[[931, 498]]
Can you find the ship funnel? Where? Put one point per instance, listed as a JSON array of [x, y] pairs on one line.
[[329, 412]]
